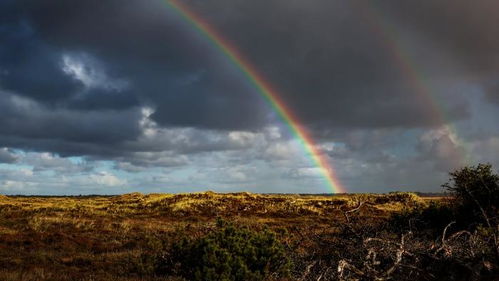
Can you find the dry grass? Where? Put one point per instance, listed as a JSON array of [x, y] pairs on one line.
[[103, 237]]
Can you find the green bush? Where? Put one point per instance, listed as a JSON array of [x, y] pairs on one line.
[[145, 261], [404, 197], [229, 253], [476, 190], [432, 218]]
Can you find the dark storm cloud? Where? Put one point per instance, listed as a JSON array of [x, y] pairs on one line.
[[166, 64], [323, 56], [30, 67], [333, 68], [29, 125], [466, 29]]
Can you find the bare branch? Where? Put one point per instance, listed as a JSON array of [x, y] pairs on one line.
[[307, 270], [343, 264]]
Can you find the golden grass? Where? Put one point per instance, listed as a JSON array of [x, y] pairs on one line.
[[66, 238]]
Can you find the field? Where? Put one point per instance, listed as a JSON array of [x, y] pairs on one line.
[[135, 236]]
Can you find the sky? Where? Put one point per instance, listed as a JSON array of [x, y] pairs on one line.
[[103, 97]]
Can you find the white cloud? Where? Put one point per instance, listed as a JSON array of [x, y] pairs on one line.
[[46, 161], [283, 150], [443, 146], [17, 187], [105, 178], [90, 72], [306, 172], [242, 138]]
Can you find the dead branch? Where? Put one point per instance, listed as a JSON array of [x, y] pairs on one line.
[[307, 270], [444, 247], [343, 264], [346, 213]]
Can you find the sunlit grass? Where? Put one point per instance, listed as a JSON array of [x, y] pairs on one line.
[[64, 238]]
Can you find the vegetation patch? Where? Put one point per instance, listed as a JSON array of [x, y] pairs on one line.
[[159, 237], [229, 253]]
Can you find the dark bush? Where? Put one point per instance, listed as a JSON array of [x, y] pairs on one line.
[[476, 190], [432, 218], [230, 253]]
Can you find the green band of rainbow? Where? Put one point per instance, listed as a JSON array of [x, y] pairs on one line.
[[265, 90]]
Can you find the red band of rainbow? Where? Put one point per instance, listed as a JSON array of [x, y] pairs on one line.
[[266, 91]]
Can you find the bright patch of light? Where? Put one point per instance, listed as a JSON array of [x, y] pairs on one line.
[[90, 72]]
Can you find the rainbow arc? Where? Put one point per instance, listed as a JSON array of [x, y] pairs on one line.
[[266, 90], [408, 66]]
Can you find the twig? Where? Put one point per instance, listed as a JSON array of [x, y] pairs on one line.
[[343, 264], [307, 270], [444, 244], [445, 231], [400, 253], [361, 203], [345, 213]]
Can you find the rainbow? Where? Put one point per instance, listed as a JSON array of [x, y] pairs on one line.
[[269, 94], [408, 66]]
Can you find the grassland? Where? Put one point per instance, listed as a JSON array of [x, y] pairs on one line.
[[119, 237]]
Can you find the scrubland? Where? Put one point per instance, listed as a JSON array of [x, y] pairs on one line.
[[243, 236]]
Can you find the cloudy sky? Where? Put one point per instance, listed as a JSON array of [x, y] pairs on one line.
[[99, 96]]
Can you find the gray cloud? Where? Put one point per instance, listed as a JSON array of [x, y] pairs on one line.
[[463, 29], [7, 156], [42, 162], [331, 67], [138, 85], [332, 70], [27, 124], [164, 64]]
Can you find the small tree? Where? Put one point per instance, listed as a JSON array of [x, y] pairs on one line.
[[476, 190]]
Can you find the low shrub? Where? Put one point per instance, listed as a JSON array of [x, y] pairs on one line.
[[476, 190], [229, 253], [431, 218], [404, 197]]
